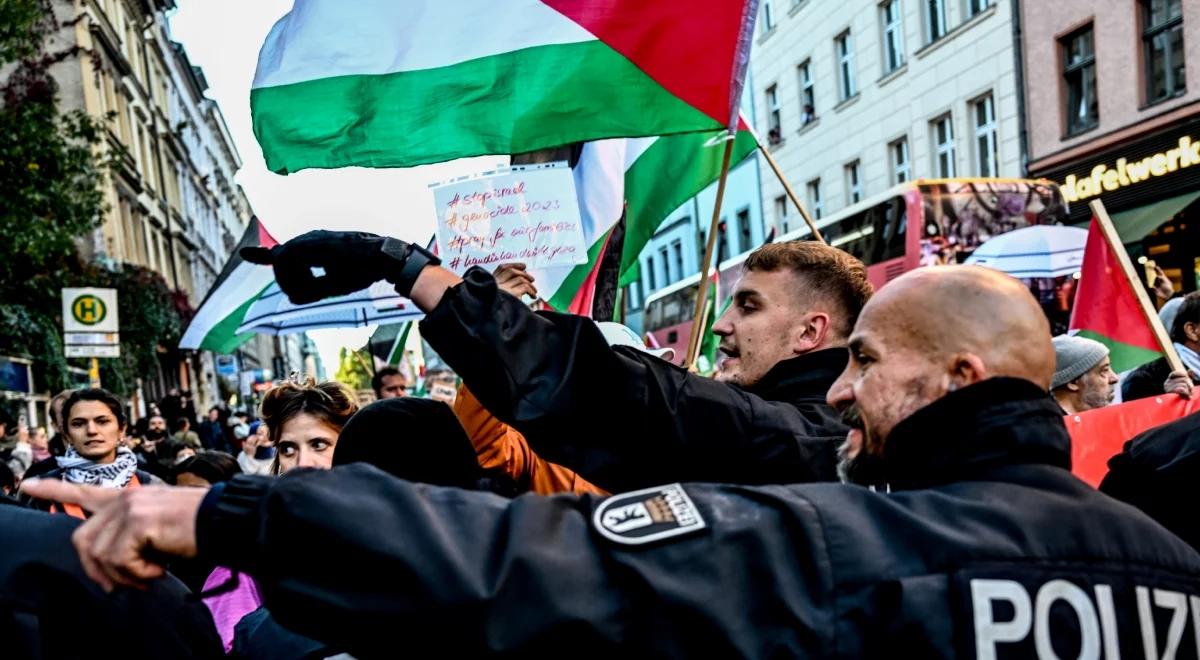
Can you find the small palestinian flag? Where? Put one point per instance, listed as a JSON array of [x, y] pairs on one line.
[[1107, 309], [214, 327]]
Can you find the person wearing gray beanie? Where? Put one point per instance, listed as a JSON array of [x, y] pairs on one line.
[[1083, 375]]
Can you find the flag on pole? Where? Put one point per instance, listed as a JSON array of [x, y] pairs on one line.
[[214, 327], [648, 178], [710, 342], [1107, 308], [397, 83]]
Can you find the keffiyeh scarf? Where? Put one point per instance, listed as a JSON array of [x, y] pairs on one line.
[[1189, 357], [79, 470]]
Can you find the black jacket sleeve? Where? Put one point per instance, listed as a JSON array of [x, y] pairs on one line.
[[619, 417], [1145, 381], [363, 561]]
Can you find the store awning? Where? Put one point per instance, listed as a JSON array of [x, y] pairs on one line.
[[1133, 225]]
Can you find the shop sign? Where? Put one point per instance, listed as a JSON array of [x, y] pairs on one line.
[[1125, 172]]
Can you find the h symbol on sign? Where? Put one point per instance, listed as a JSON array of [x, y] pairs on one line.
[[87, 310]]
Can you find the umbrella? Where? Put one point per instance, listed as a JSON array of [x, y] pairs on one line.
[[274, 314], [1037, 251]]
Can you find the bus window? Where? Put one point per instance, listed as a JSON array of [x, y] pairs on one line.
[[876, 234]]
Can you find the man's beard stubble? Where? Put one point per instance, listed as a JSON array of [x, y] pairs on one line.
[[866, 468]]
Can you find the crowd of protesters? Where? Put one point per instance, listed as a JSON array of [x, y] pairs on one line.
[[864, 475]]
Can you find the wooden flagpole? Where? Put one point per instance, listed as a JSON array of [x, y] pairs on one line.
[[787, 187], [1114, 243], [702, 295]]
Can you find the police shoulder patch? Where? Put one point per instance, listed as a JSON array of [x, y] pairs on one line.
[[647, 515]]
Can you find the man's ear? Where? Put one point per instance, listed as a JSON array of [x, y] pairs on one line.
[[968, 369], [810, 334]]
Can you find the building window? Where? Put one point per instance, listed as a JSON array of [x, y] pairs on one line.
[[677, 248], [774, 133], [722, 242], [650, 275], [1083, 103], [808, 98], [893, 36], [743, 220], [845, 53], [666, 266], [814, 199], [854, 182], [1162, 33], [976, 7], [943, 140], [935, 19], [901, 163], [768, 18], [986, 144], [781, 213]]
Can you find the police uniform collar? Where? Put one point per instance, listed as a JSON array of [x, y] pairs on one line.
[[809, 374], [995, 423]]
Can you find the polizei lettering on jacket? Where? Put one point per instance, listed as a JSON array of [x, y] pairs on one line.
[[1086, 619]]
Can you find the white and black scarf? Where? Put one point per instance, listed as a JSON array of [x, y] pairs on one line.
[[79, 470]]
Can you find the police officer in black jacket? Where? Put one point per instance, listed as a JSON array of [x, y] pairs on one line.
[[555, 379], [986, 546]]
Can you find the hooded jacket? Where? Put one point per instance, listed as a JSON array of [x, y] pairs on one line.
[[986, 546], [623, 419]]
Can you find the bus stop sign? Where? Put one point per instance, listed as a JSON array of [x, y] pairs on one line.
[[90, 310]]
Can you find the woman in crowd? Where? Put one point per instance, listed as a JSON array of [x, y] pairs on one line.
[[257, 455], [39, 443], [94, 423], [303, 421]]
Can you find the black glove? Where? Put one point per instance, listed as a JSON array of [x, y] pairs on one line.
[[352, 261]]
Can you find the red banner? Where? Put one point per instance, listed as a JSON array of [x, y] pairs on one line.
[[1098, 435]]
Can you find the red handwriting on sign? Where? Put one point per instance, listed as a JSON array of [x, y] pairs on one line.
[[463, 221], [543, 230], [482, 198]]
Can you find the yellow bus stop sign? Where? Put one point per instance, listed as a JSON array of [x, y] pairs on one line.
[[88, 309]]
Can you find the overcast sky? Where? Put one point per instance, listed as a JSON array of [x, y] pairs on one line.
[[223, 38]]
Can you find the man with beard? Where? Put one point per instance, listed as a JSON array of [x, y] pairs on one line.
[[982, 545], [147, 451], [1083, 376], [555, 379]]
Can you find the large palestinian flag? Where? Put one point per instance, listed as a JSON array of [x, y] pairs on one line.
[[396, 83], [214, 327]]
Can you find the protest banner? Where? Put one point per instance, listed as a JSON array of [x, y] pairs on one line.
[[1098, 435], [527, 214]]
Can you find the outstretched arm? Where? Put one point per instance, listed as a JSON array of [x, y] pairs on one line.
[[359, 560]]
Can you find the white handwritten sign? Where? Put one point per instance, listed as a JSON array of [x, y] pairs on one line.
[[526, 214]]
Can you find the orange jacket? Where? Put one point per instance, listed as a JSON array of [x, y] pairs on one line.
[[498, 445], [76, 511]]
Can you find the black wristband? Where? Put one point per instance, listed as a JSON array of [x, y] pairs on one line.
[[410, 260]]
